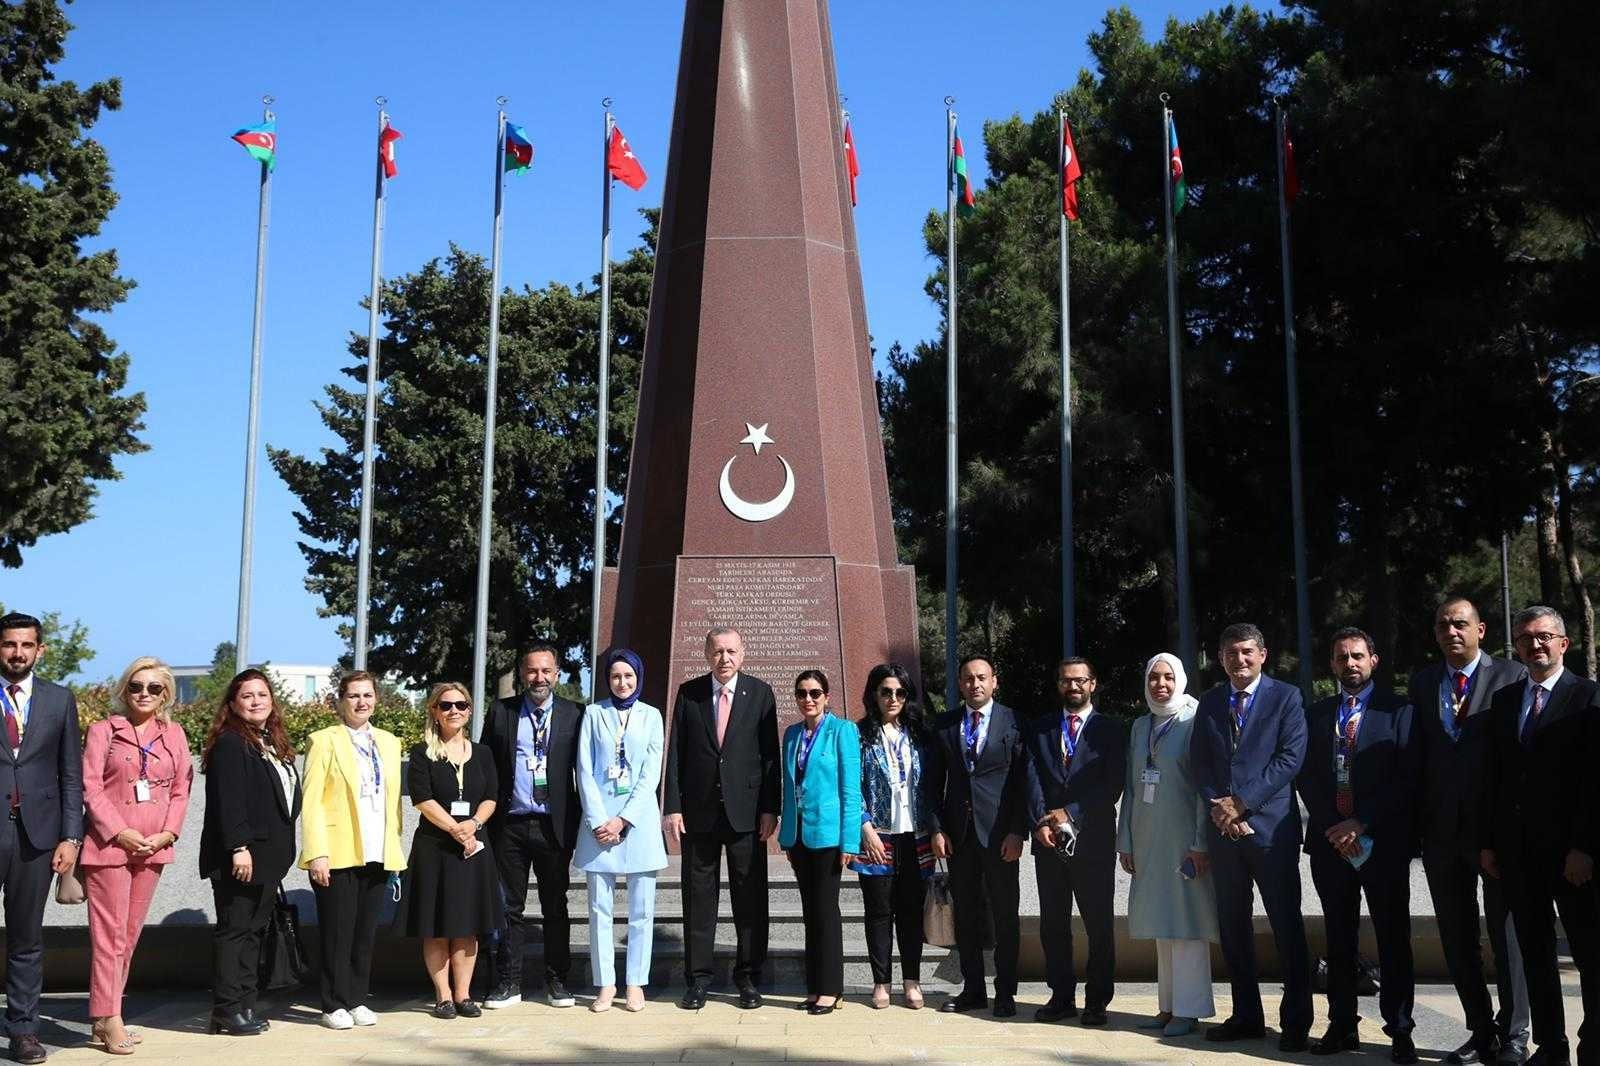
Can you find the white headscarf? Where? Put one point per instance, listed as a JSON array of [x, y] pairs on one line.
[[1181, 700]]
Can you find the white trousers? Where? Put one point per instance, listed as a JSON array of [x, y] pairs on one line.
[[1183, 978], [641, 927]]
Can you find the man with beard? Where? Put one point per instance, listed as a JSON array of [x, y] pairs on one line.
[[534, 738], [1077, 763], [41, 774]]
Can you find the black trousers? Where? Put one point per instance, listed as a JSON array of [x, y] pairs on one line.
[[1275, 870], [522, 843], [1091, 878], [893, 904], [243, 913], [25, 878], [747, 887], [983, 885], [1386, 880], [817, 873], [347, 921], [1537, 891], [1453, 878]]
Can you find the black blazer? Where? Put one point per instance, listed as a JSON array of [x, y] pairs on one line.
[[1260, 769], [47, 771], [1089, 788], [561, 766], [1450, 775], [994, 797], [245, 807], [1382, 775], [742, 777], [1539, 802]]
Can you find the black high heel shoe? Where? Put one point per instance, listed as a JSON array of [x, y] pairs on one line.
[[235, 1023], [818, 1008]]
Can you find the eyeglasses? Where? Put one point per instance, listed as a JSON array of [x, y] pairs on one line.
[[812, 694], [892, 694], [1077, 682], [455, 705], [139, 688], [1542, 639]]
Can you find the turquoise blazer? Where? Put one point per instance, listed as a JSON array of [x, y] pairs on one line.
[[826, 811]]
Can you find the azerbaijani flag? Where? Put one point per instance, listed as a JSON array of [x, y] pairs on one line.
[[519, 149], [965, 204], [261, 141], [1180, 187]]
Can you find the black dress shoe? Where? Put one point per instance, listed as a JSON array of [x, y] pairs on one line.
[[250, 1012], [1480, 1047], [964, 1002], [1294, 1043], [694, 997], [233, 1023], [1403, 1050], [25, 1047], [466, 1008], [1551, 1055], [1056, 1010], [1234, 1029], [749, 998], [444, 1009], [1336, 1039], [817, 1008], [1005, 1006], [1093, 1016]]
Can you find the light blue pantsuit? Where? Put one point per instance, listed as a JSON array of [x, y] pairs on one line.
[[641, 927]]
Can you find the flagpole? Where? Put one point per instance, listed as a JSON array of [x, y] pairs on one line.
[[1180, 503], [1302, 580], [1505, 587], [951, 554], [602, 403], [241, 641], [1069, 622], [369, 429], [480, 641]]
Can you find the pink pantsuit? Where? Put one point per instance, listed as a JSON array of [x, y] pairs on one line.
[[118, 887]]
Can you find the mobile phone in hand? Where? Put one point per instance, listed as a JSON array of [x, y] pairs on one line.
[[1187, 870]]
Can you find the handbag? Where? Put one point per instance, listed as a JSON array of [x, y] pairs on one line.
[[69, 887], [283, 956], [939, 910]]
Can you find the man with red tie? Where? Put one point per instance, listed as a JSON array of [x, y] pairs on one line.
[[1540, 828], [1358, 786]]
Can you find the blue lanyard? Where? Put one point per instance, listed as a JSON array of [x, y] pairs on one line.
[[15, 709], [803, 752], [145, 751], [1069, 743], [1156, 736], [371, 752], [541, 728], [1346, 712], [900, 755]]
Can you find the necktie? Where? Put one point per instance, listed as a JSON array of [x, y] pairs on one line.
[[1344, 800], [1240, 712], [972, 741], [724, 712], [1460, 699], [1533, 716], [1074, 723], [14, 734]]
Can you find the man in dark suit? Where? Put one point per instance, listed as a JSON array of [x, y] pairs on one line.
[[1249, 743], [722, 796], [980, 823], [1357, 784], [1540, 828], [41, 773], [1452, 699], [534, 738], [1076, 767]]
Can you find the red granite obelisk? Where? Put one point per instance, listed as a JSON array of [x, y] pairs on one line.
[[757, 495]]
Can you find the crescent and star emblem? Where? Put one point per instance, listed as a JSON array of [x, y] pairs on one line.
[[765, 510]]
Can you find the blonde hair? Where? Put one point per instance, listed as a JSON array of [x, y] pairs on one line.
[[430, 729], [169, 691]]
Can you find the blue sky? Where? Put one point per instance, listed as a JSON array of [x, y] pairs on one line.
[[155, 571]]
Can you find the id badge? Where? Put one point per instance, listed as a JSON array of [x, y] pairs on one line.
[[624, 783], [141, 791], [540, 780], [613, 772], [366, 790], [460, 809], [533, 763], [1342, 778], [1149, 779]]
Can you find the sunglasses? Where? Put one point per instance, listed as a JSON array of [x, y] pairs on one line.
[[455, 705], [139, 688], [812, 694], [892, 694]]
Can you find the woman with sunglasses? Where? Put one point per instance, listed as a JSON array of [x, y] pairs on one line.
[[350, 843], [820, 829], [897, 754], [247, 841], [136, 778], [452, 892]]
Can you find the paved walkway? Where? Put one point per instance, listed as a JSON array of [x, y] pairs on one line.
[[856, 1034]]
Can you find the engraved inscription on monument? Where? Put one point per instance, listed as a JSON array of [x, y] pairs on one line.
[[785, 607]]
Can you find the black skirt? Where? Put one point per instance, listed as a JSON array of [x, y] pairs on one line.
[[447, 895]]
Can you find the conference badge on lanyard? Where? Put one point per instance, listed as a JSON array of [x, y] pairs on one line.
[[617, 773]]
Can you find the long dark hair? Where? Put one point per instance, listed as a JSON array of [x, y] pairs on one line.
[[272, 735], [871, 724]]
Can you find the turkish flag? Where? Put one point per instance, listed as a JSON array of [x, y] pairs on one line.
[[1070, 173], [622, 163], [386, 141], [851, 163]]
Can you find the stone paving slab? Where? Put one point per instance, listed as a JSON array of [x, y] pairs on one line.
[[173, 1028]]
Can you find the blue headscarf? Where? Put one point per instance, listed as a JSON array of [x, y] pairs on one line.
[[625, 656]]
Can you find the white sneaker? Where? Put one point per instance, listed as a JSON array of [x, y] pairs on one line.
[[339, 1019], [363, 1015]]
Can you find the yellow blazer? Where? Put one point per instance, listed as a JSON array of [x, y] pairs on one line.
[[328, 820]]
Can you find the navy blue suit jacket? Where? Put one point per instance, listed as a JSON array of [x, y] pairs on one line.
[[47, 770], [994, 797], [1260, 769], [1089, 788], [1383, 774]]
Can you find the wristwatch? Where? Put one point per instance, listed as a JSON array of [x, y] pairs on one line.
[[76, 842]]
